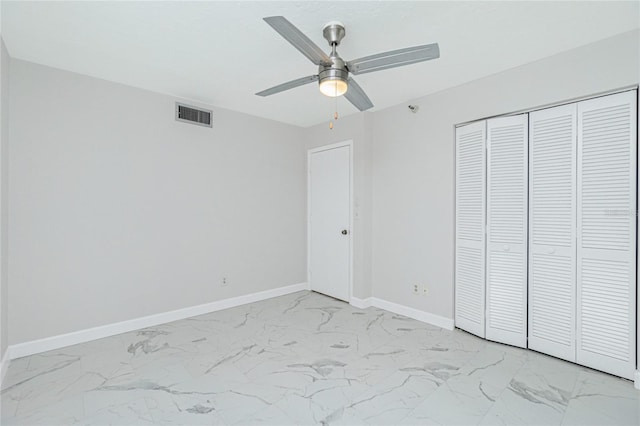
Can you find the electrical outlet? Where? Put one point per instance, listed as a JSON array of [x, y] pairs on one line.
[[415, 289], [425, 291], [224, 282]]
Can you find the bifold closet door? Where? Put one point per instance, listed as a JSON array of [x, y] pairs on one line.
[[607, 233], [506, 282], [552, 222], [470, 228]]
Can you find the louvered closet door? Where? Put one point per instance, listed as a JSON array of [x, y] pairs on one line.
[[470, 222], [552, 222], [607, 233], [507, 149]]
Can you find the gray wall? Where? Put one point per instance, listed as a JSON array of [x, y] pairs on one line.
[[117, 211], [356, 128], [413, 161], [4, 171]]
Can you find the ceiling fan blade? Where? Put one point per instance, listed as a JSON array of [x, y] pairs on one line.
[[394, 58], [288, 85], [300, 41], [357, 97]]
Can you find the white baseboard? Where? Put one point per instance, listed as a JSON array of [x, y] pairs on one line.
[[81, 336], [396, 308], [636, 379], [360, 303], [433, 319]]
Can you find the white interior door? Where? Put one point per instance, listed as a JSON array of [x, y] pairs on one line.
[[470, 228], [607, 233], [552, 238], [329, 221], [507, 164]]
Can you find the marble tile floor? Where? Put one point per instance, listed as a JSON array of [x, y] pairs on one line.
[[307, 359]]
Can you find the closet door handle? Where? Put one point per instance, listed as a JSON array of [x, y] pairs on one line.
[[506, 247], [551, 250]]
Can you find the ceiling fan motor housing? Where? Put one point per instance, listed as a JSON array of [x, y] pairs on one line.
[[333, 77], [337, 70]]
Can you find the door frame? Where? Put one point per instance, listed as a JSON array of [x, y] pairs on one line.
[[310, 152]]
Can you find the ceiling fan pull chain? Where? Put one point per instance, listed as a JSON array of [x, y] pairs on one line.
[[335, 113]]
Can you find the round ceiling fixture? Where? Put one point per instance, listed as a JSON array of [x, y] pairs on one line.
[[333, 87], [333, 77]]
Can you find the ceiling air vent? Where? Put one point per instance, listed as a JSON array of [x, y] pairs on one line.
[[193, 115]]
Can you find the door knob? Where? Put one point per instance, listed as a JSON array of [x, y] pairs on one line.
[[344, 232]]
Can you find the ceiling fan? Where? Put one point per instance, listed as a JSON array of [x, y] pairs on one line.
[[333, 71]]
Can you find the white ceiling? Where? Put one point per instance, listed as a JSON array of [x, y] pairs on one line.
[[221, 53]]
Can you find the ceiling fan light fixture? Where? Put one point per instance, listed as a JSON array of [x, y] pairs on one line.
[[333, 87], [333, 78]]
